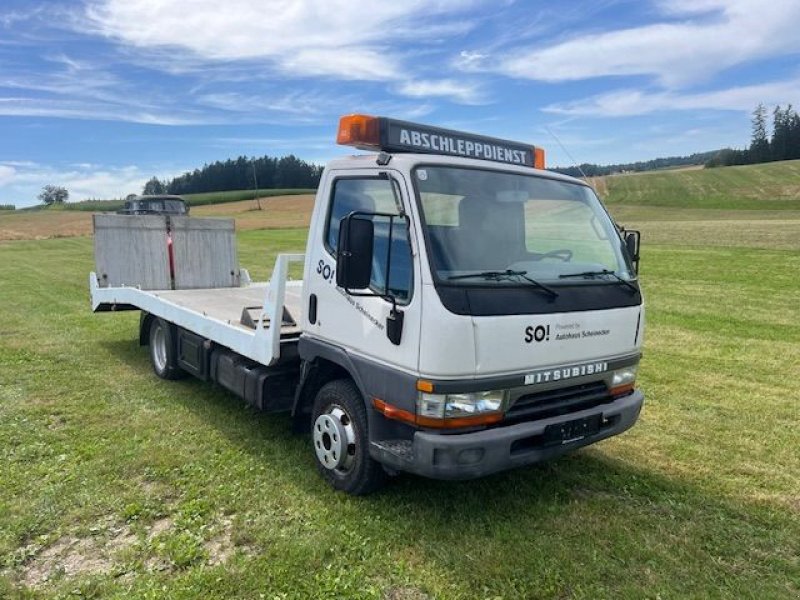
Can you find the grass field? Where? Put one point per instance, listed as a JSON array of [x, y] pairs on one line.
[[769, 186], [116, 484]]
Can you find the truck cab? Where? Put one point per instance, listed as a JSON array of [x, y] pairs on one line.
[[487, 311]]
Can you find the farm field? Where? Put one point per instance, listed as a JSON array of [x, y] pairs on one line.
[[277, 211], [116, 484]]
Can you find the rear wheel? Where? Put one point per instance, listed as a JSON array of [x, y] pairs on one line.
[[340, 439], [164, 350]]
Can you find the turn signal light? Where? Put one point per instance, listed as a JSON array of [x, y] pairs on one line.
[[392, 412], [621, 390]]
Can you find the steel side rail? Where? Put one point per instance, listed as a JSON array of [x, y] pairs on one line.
[[274, 300]]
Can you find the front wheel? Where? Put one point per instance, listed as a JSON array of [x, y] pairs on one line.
[[340, 439]]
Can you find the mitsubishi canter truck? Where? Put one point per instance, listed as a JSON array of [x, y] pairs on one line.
[[462, 310]]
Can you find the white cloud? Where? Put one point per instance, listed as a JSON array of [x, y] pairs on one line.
[[456, 91], [711, 36], [355, 63], [629, 102], [470, 61], [13, 18], [7, 174], [291, 144], [298, 104], [82, 181], [80, 109], [82, 89], [337, 38]]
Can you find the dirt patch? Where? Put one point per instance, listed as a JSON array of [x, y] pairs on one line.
[[405, 593], [71, 557], [56, 422], [151, 488], [158, 563], [221, 547], [159, 527]]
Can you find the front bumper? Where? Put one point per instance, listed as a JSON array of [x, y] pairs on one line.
[[471, 455]]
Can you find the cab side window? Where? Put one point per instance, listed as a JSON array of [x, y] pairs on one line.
[[374, 195]]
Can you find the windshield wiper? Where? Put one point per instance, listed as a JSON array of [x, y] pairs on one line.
[[507, 275], [625, 282]]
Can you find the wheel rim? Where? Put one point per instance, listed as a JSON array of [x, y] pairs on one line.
[[335, 440], [158, 345]]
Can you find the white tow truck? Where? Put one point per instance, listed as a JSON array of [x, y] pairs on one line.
[[463, 311]]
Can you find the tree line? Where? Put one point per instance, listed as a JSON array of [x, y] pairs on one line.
[[242, 173], [592, 170], [782, 144]]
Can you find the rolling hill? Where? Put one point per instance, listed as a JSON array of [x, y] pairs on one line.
[[766, 186]]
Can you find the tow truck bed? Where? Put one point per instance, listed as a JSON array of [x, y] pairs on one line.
[[238, 318]]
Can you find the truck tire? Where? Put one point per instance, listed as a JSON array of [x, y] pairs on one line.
[[341, 441], [164, 350]]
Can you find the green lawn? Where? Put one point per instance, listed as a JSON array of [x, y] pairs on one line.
[[116, 484]]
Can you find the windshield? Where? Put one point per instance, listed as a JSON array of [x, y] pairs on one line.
[[482, 222]]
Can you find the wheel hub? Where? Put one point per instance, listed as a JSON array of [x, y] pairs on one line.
[[334, 439]]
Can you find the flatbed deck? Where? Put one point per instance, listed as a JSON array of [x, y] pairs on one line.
[[226, 304]]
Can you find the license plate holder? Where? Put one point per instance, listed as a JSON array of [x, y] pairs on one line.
[[572, 431]]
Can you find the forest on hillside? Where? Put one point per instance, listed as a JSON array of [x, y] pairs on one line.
[[242, 173], [669, 162]]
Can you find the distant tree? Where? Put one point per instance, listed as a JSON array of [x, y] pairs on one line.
[[53, 194], [781, 143], [794, 137], [720, 159], [154, 186], [759, 142]]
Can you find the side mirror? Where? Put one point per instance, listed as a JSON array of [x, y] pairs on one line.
[[632, 242], [354, 253]]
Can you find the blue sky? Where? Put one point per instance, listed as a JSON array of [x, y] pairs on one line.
[[100, 95]]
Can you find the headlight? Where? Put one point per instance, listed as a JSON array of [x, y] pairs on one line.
[[622, 380], [446, 406]]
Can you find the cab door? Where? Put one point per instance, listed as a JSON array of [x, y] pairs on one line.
[[357, 323]]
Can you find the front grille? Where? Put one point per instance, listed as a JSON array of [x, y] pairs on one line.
[[560, 401]]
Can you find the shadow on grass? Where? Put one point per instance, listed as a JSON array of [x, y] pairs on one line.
[[587, 502], [577, 475]]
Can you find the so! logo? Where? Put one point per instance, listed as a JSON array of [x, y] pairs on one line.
[[540, 333]]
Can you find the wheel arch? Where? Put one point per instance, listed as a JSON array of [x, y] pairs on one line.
[[145, 319], [321, 363]]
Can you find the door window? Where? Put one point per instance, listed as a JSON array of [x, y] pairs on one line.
[[375, 195]]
